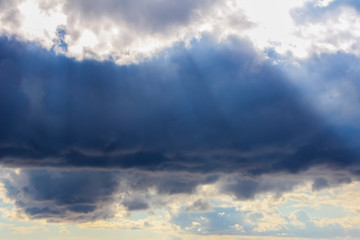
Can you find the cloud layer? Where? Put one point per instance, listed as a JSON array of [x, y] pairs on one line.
[[218, 122], [187, 109], [189, 117]]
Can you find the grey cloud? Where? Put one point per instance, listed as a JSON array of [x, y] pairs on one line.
[[206, 110], [189, 116], [166, 114], [199, 205], [154, 15], [319, 184], [135, 204], [327, 181], [87, 195], [9, 14], [247, 188], [63, 195]]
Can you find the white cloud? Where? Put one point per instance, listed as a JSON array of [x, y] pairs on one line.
[[130, 31], [323, 3]]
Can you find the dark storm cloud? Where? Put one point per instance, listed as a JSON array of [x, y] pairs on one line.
[[135, 204], [209, 109], [66, 195], [247, 188], [87, 195]]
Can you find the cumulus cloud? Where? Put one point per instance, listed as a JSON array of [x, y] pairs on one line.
[[64, 195], [124, 31], [192, 110], [327, 28], [131, 31], [176, 122], [153, 16], [9, 14], [88, 195]]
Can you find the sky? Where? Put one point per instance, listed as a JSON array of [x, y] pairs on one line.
[[179, 120]]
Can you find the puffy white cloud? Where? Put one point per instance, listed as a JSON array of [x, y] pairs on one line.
[[130, 31]]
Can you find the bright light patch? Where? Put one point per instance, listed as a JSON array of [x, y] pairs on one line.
[[40, 25], [324, 3], [274, 26], [87, 41]]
